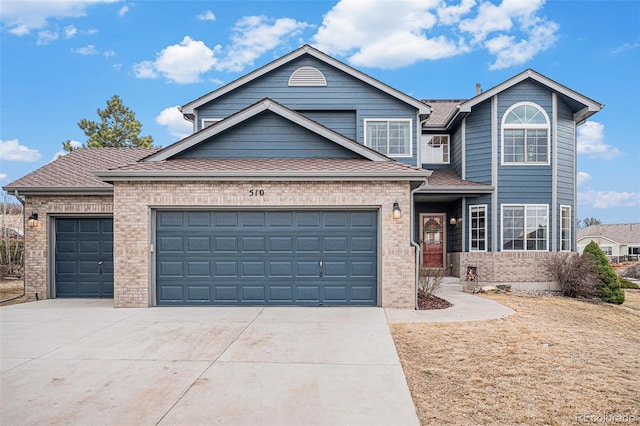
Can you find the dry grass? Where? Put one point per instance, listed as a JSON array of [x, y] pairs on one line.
[[553, 361], [10, 288]]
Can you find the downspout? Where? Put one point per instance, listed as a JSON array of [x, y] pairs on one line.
[[24, 227], [416, 243]]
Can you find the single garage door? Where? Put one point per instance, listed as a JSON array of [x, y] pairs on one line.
[[266, 257], [84, 257]]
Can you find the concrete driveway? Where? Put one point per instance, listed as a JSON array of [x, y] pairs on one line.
[[84, 362]]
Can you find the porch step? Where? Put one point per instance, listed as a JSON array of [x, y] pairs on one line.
[[451, 284]]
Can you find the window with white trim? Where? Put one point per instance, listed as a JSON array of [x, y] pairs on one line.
[[390, 137], [565, 228], [633, 250], [206, 122], [434, 149], [525, 135], [525, 227], [478, 228]]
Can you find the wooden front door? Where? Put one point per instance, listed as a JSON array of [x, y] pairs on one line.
[[433, 239]]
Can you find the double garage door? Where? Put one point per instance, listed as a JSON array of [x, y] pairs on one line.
[[266, 257]]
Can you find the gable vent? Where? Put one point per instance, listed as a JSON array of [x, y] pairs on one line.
[[307, 76]]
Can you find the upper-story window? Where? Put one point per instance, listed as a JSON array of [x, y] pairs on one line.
[[434, 149], [525, 135], [390, 137]]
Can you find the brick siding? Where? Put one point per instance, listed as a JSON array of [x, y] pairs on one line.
[[133, 202]]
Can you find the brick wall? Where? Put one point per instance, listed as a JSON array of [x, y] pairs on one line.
[[522, 270], [132, 231], [36, 255]]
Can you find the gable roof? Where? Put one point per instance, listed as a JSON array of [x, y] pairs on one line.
[[589, 108], [188, 109], [624, 233], [442, 111], [73, 173], [255, 109], [448, 181]]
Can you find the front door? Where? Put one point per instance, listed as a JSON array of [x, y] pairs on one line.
[[433, 237]]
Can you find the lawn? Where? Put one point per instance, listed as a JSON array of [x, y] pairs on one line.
[[556, 361]]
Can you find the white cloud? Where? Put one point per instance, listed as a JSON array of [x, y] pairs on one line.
[[182, 63], [22, 17], [89, 49], [206, 16], [70, 31], [145, 69], [11, 150], [46, 37], [583, 177], [3, 176], [609, 199], [173, 119], [591, 141], [255, 35], [624, 48], [391, 34], [109, 53], [123, 10]]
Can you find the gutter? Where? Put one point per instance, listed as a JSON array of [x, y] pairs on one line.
[[415, 243], [24, 223]]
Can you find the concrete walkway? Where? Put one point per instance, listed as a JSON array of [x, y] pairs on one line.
[[466, 307], [78, 362]]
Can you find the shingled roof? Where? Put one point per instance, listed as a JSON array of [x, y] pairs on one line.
[[448, 181], [624, 233], [265, 168], [74, 172], [441, 111]]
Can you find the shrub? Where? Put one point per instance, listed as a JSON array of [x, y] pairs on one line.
[[609, 283], [632, 271], [430, 280], [574, 274], [625, 283]]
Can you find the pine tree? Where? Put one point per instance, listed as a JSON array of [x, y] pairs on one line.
[[118, 127], [609, 283]]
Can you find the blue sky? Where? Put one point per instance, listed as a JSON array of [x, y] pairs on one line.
[[61, 60]]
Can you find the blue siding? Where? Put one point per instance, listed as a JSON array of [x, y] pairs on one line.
[[478, 144], [343, 93], [456, 150], [268, 136], [524, 184], [566, 155], [343, 122]]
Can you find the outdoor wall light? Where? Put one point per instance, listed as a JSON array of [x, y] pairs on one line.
[[397, 213], [453, 221], [32, 221]]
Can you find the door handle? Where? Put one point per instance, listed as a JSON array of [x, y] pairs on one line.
[[321, 269], [100, 267]]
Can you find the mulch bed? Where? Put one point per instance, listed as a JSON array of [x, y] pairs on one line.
[[433, 302]]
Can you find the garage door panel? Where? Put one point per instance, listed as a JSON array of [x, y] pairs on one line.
[[225, 269], [83, 257], [267, 257]]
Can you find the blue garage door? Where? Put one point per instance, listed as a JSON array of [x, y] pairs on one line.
[[266, 257], [84, 257]]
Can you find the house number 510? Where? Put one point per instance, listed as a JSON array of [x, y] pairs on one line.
[[256, 192]]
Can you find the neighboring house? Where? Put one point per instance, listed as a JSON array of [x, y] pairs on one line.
[[307, 182], [618, 242]]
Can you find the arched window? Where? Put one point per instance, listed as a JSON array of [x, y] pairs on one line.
[[525, 135]]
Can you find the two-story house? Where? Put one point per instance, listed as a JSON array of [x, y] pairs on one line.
[[307, 182]]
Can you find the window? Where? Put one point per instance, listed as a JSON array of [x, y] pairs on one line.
[[435, 149], [525, 135], [607, 250], [478, 228], [525, 227], [390, 137], [565, 228], [633, 250], [206, 122]]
